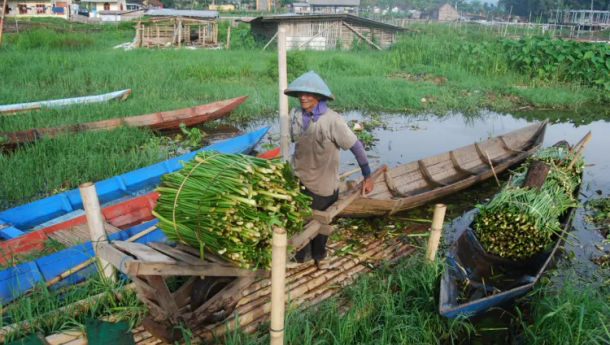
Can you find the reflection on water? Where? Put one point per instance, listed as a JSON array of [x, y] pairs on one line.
[[412, 137]]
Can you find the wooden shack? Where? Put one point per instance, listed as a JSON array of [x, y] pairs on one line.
[[177, 28], [325, 31]]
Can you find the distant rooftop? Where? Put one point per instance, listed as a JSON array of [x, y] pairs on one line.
[[170, 12], [334, 2]]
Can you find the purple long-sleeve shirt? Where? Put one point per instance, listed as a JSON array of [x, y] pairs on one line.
[[357, 149]]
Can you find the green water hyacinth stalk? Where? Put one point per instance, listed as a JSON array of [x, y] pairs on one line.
[[227, 204], [520, 222]]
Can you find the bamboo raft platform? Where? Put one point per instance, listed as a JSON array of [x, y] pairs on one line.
[[306, 286]]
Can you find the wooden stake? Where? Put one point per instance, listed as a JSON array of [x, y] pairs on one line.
[[2, 21], [492, 169], [435, 231], [229, 37], [283, 99], [96, 225], [278, 279]]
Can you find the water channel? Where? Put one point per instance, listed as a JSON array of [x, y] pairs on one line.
[[404, 138]]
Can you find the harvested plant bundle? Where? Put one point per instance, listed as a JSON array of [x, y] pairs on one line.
[[227, 203], [519, 221]]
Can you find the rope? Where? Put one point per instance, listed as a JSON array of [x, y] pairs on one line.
[[178, 193]]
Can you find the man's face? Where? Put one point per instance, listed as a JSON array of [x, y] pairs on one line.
[[308, 100]]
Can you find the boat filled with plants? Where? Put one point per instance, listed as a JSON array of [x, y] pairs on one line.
[[513, 238]]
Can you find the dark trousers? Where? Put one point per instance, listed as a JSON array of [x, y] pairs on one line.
[[317, 246]]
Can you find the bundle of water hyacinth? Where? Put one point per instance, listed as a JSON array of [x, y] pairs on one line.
[[228, 203], [519, 221]]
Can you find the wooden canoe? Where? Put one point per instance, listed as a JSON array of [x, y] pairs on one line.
[[15, 108], [160, 121], [121, 215], [495, 283], [419, 182]]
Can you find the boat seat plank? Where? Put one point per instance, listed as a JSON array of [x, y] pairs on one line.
[[389, 182], [483, 156], [506, 146], [458, 167], [427, 176], [143, 252], [78, 234]]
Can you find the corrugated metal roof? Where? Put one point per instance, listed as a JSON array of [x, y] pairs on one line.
[[170, 12], [318, 16], [334, 2]]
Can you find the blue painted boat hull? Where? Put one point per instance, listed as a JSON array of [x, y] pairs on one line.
[[15, 281], [20, 219]]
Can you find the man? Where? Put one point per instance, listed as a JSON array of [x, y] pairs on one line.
[[318, 133]]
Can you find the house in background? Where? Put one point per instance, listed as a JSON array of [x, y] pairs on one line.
[[97, 6], [335, 6], [325, 31], [40, 8], [300, 7], [443, 13]]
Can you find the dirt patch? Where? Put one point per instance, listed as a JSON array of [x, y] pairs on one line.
[[438, 80]]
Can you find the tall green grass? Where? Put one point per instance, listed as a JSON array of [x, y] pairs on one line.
[[38, 312], [576, 312], [387, 306]]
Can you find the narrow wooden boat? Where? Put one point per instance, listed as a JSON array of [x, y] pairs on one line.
[[14, 108], [21, 219], [419, 182], [119, 215], [489, 281], [161, 120]]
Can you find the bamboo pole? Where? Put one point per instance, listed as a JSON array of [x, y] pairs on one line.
[[278, 280], [96, 225], [582, 141], [582, 147], [229, 37], [283, 84], [493, 170], [2, 21], [435, 231]]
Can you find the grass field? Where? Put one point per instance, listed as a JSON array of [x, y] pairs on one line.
[[447, 68]]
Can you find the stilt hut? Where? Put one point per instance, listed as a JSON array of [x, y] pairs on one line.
[[176, 28], [325, 31]]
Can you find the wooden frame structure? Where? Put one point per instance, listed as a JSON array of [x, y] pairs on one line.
[[326, 31], [176, 32], [150, 265]]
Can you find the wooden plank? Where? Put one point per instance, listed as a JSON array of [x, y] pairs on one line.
[[144, 287], [123, 262], [208, 256], [300, 240], [176, 254], [143, 252], [361, 36], [164, 297], [228, 297], [183, 294], [178, 269], [506, 147], [389, 181]]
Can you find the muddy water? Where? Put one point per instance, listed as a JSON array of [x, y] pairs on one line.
[[411, 137]]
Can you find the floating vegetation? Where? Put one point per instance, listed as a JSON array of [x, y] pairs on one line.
[[228, 203], [599, 213], [520, 221]]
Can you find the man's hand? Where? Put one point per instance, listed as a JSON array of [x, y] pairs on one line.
[[367, 186]]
